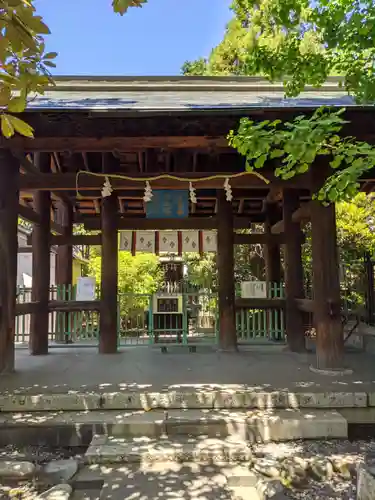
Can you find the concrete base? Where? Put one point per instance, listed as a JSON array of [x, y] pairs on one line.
[[339, 372]]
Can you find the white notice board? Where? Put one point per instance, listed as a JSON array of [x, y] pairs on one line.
[[86, 288], [253, 289]]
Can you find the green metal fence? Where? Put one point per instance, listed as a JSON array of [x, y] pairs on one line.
[[138, 322], [258, 325], [77, 326]]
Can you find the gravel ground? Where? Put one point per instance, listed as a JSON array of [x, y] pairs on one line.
[[353, 453], [39, 455]]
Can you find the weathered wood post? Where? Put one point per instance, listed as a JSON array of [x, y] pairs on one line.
[[272, 260], [9, 172], [293, 273], [326, 288], [225, 268], [272, 248], [108, 308], [64, 268], [41, 268]]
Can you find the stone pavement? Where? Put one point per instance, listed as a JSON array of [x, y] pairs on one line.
[[265, 368]]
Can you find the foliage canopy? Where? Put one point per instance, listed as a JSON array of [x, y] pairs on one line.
[[299, 42]]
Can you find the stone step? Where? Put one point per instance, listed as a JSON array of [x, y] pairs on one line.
[[77, 428], [171, 480], [111, 450], [196, 397]]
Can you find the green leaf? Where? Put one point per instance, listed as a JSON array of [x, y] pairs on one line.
[[20, 126], [277, 153], [333, 194], [50, 55], [336, 162], [303, 168], [309, 155], [248, 167], [7, 128], [50, 64], [259, 162], [121, 6], [4, 95], [17, 105], [36, 24]]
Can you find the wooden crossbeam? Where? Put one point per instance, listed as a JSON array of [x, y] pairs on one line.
[[129, 144], [260, 303], [29, 168], [302, 214], [77, 240], [258, 238], [199, 223], [30, 215], [74, 305], [68, 182]]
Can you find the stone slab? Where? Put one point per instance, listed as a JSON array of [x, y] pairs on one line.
[[199, 398], [250, 425], [108, 450], [365, 483], [288, 425]]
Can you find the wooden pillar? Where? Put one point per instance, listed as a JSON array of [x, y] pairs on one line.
[[9, 172], [39, 325], [326, 288], [64, 268], [225, 268], [108, 308], [293, 273], [272, 249]]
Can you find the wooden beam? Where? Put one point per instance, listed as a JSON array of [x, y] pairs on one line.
[[64, 268], [108, 311], [275, 194], [278, 227], [30, 215], [73, 305], [225, 268], [68, 182], [200, 223], [305, 305], [293, 271], [26, 308], [41, 267], [9, 172], [272, 259], [100, 144], [258, 238], [326, 286], [261, 303], [302, 214], [25, 249], [27, 167], [77, 239]]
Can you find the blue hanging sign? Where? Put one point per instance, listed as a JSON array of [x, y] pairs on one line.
[[168, 204]]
